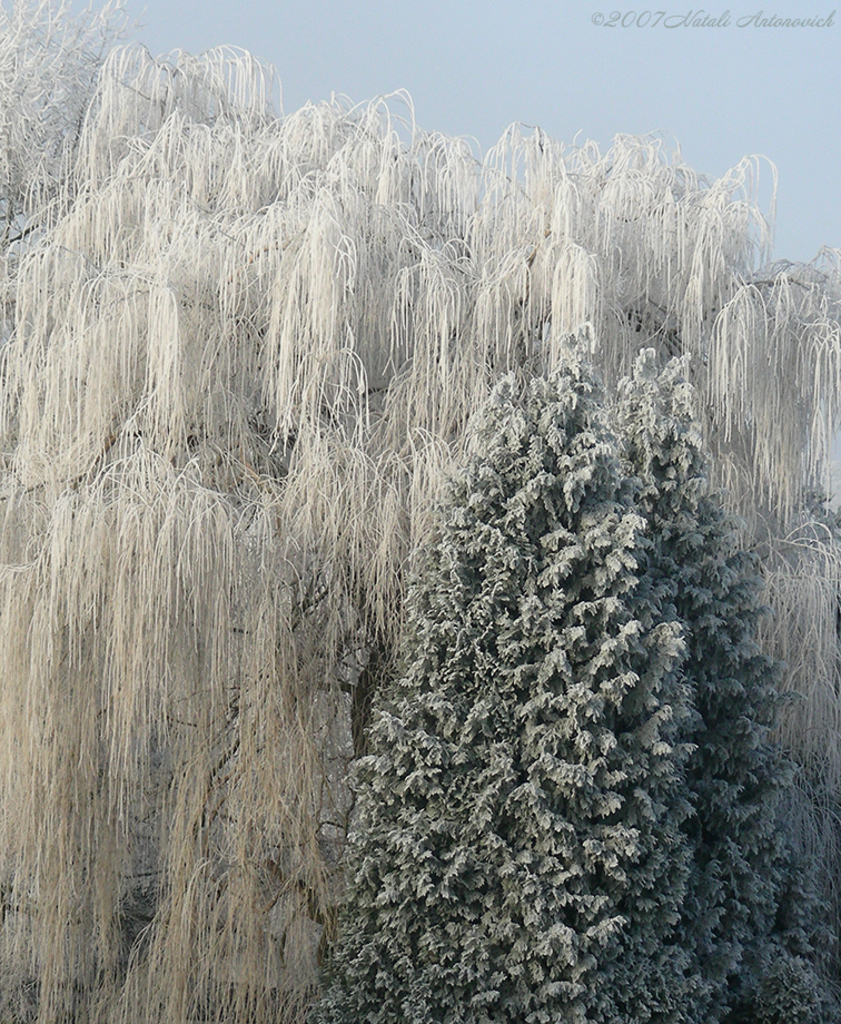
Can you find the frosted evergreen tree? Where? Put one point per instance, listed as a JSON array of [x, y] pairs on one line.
[[518, 853], [742, 919]]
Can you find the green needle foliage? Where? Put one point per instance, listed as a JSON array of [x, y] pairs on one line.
[[520, 852]]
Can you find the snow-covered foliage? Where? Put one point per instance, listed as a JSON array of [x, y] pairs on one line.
[[571, 806], [740, 914], [518, 853], [49, 62], [238, 350]]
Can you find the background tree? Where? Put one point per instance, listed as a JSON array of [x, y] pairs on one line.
[[237, 354], [518, 852], [49, 62]]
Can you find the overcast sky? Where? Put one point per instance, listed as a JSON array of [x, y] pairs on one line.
[[723, 90]]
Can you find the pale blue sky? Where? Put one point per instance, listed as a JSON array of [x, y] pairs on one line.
[[474, 66]]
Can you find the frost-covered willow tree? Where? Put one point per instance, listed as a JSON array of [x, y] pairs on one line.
[[237, 352], [49, 61]]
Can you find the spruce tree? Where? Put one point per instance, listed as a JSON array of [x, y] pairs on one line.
[[518, 853], [746, 917]]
